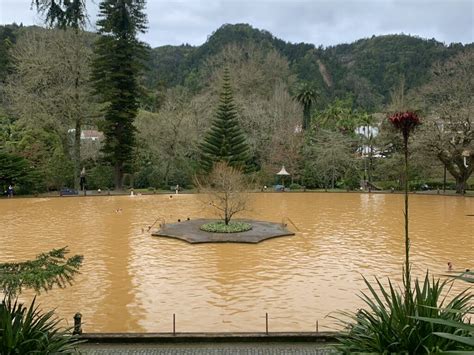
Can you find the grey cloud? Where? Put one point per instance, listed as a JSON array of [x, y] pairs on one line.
[[314, 21]]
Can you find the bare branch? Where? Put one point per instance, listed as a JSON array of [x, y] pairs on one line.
[[224, 189]]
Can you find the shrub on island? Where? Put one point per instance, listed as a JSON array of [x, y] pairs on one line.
[[221, 227]]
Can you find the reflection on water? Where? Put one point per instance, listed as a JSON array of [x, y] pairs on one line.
[[132, 282]]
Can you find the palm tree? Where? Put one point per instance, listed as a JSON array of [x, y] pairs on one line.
[[339, 116], [306, 96], [367, 137]]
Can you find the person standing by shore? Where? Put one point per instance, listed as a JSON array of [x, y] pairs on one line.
[[82, 179], [10, 191]]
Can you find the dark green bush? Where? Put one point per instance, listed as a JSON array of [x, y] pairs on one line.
[[295, 186], [387, 185], [221, 227], [351, 179], [100, 177], [438, 184]]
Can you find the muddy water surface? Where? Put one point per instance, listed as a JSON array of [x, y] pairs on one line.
[[133, 282]]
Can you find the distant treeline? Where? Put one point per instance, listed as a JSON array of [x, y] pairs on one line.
[[348, 86]]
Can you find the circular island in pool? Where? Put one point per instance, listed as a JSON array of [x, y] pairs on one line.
[[191, 232]]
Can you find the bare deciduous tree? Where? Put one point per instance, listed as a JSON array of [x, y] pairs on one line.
[[50, 87], [225, 190], [329, 155], [448, 128], [167, 139]]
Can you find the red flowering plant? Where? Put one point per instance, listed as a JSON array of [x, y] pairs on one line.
[[406, 122]]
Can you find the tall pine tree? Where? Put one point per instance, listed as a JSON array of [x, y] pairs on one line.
[[63, 13], [116, 69], [225, 141]]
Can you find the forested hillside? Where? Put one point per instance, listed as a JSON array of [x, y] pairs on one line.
[[368, 68]]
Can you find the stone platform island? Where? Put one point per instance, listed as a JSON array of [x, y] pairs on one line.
[[189, 231]]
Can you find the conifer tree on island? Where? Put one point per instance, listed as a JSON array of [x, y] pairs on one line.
[[116, 69], [225, 140]]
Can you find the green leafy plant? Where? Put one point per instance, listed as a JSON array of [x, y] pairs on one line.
[[221, 227], [464, 339], [45, 271], [393, 324], [26, 330], [467, 276]]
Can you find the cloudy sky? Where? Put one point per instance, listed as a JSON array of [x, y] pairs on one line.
[[321, 22]]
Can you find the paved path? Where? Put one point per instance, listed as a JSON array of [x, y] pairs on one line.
[[208, 348]]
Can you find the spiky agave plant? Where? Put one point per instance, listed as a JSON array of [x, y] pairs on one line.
[[27, 330], [391, 324], [464, 333]]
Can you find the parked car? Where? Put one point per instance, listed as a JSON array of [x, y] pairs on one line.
[[66, 191]]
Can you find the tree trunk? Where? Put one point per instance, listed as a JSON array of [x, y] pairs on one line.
[[461, 185], [306, 116], [369, 173], [77, 153], [333, 177], [78, 121], [167, 172], [444, 179], [407, 238], [118, 176], [458, 170], [226, 211]]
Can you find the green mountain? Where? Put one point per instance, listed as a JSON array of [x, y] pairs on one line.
[[368, 68]]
